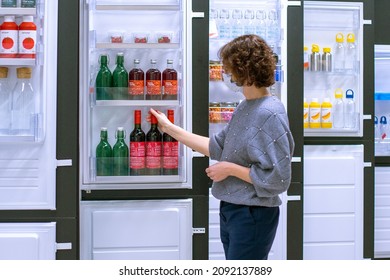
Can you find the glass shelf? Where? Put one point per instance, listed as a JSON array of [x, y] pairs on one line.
[[17, 61], [137, 46], [134, 7], [18, 11], [137, 103]]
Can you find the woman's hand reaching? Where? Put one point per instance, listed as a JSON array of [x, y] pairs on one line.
[[163, 122]]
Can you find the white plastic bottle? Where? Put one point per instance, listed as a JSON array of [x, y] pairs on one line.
[[338, 109], [249, 23], [237, 26], [349, 112], [23, 104], [224, 27], [273, 29], [5, 102], [261, 24], [350, 54], [383, 129], [339, 53]]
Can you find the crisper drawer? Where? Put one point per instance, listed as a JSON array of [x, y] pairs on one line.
[[138, 230], [28, 241], [333, 202]]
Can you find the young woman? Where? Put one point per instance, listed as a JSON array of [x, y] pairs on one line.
[[253, 151]]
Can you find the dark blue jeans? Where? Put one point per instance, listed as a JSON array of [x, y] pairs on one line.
[[247, 232]]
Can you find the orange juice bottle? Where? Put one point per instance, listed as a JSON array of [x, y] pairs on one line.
[[326, 113], [305, 113], [314, 113]]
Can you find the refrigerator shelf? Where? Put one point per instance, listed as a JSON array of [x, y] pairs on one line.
[[138, 179], [133, 7], [137, 45], [17, 61], [17, 138], [18, 11], [137, 103], [382, 96]]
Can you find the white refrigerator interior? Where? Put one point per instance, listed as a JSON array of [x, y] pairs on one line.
[[136, 230], [333, 204], [28, 241], [28, 140], [382, 212], [112, 27], [230, 19], [333, 64], [382, 100]]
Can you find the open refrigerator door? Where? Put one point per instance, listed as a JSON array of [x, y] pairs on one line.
[[130, 64], [333, 64]]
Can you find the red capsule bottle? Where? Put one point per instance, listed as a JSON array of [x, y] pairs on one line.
[[9, 38], [27, 37]]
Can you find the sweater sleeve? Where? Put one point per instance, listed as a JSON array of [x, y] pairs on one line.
[[216, 144], [270, 152]]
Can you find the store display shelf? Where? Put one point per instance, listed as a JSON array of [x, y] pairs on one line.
[[18, 11], [17, 61], [137, 45], [133, 7], [382, 96], [18, 138]]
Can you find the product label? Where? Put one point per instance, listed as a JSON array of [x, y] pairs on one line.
[[171, 155], [136, 87], [137, 155], [8, 3], [153, 87], [9, 39], [326, 115], [170, 87], [305, 115], [153, 155], [315, 115], [28, 4], [27, 40]]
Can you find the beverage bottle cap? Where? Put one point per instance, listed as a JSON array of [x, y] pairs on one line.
[[375, 120], [314, 99], [153, 119], [171, 116], [326, 99], [103, 129], [338, 93], [24, 72], [28, 18], [349, 94], [351, 38], [327, 50], [339, 38], [3, 72], [9, 18], [315, 48], [383, 120]]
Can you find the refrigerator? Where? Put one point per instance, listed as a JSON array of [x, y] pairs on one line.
[[143, 213], [338, 122], [31, 216], [381, 97], [280, 23]]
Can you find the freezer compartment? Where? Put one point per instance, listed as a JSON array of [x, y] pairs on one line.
[[333, 65], [28, 241], [136, 230]]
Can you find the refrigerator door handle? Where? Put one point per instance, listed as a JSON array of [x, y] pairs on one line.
[[296, 159], [294, 3], [64, 246], [293, 198], [197, 154], [64, 162], [197, 14], [367, 117]]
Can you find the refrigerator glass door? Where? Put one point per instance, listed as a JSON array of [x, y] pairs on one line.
[[382, 100], [142, 31], [28, 113], [333, 82]]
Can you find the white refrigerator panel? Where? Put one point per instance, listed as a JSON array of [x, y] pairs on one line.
[[28, 162], [137, 230], [28, 241], [333, 202], [382, 212]]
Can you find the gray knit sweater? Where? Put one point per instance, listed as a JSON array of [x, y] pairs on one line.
[[258, 136]]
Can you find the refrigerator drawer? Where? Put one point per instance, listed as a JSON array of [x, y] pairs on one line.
[[138, 230], [28, 241]]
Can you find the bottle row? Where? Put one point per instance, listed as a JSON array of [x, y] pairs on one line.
[[344, 57], [136, 84], [18, 41], [381, 129], [152, 153], [340, 114], [18, 3], [231, 23], [17, 105], [221, 112]]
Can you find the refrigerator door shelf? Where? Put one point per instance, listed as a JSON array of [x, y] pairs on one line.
[[137, 103], [137, 46], [34, 134], [18, 11], [17, 61]]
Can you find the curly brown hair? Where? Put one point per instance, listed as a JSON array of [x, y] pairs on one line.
[[249, 60]]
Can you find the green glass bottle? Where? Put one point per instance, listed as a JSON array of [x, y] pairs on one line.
[[103, 80], [120, 154], [120, 79], [103, 155]]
